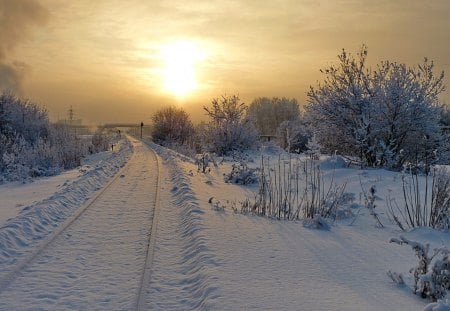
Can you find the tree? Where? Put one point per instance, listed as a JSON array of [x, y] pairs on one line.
[[386, 117], [30, 145], [171, 125], [407, 113], [267, 114], [229, 128], [340, 110]]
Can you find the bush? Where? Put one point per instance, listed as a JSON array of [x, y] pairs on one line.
[[386, 117], [432, 274], [438, 306], [241, 174], [100, 141], [204, 161], [30, 145], [229, 130], [171, 125], [268, 114], [419, 209], [293, 189]]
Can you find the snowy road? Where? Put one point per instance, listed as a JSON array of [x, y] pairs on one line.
[[98, 261]]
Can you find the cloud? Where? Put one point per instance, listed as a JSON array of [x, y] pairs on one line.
[[17, 20], [11, 76]]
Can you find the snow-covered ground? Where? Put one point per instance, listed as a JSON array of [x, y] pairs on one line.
[[52, 204], [204, 257], [16, 195], [246, 262], [98, 262]]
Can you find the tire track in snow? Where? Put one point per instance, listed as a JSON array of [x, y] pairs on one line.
[[140, 301], [98, 262], [184, 265]]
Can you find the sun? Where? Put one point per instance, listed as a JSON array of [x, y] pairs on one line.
[[180, 61]]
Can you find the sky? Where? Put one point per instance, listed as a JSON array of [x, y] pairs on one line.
[[120, 61]]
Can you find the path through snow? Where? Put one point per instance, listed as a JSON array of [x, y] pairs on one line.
[[99, 260]]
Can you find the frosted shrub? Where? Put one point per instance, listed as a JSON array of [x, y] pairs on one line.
[[423, 206], [100, 142], [30, 145], [387, 116], [438, 306], [204, 162], [318, 199], [70, 150], [440, 200], [268, 114], [242, 174], [171, 125], [229, 130], [432, 274], [293, 190]]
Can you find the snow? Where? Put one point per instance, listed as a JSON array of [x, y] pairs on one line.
[[207, 256], [262, 264], [183, 276], [437, 306], [17, 195], [20, 235], [99, 260]]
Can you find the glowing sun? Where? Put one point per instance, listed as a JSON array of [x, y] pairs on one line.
[[180, 60]]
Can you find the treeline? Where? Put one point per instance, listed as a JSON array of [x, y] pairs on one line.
[[383, 117], [31, 146]]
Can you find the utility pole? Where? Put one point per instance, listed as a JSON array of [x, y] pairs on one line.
[[72, 126], [142, 125], [70, 115]]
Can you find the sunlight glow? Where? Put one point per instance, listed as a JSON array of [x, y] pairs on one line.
[[180, 60]]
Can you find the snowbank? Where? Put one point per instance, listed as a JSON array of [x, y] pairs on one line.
[[23, 233], [183, 266]]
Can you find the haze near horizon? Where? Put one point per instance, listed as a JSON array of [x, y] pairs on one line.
[[114, 61]]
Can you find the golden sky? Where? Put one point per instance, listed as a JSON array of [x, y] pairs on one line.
[[109, 58]]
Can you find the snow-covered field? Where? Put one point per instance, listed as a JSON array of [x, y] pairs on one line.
[[205, 257], [249, 262]]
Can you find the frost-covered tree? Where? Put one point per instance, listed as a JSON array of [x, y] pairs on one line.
[[229, 129], [171, 125], [30, 145], [340, 109], [386, 117], [22, 117], [407, 113], [267, 114]]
